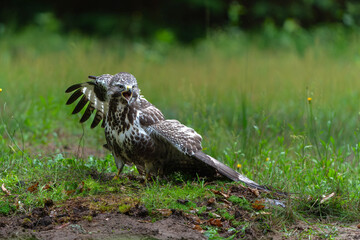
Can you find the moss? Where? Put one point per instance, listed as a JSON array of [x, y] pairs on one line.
[[88, 218], [124, 208], [6, 208]]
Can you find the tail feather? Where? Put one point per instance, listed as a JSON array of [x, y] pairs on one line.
[[227, 171]]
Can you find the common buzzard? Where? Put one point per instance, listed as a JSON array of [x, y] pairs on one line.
[[137, 132]]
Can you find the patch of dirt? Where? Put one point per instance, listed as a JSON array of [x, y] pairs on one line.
[[95, 218], [102, 226]]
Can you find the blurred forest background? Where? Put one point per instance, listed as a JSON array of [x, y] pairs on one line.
[[169, 21]]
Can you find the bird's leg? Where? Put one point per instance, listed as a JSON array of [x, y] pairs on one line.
[[148, 169], [120, 165]]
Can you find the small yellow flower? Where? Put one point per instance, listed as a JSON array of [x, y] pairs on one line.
[[309, 99], [0, 89], [267, 159], [239, 165]]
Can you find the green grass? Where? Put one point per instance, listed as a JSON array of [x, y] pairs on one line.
[[247, 100]]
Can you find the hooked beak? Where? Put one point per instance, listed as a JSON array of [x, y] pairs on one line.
[[127, 93]]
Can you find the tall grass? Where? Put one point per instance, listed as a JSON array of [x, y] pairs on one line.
[[249, 102]]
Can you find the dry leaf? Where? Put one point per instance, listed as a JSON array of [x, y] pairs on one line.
[[198, 228], [258, 205], [325, 198], [164, 212], [215, 191], [69, 192], [224, 195], [80, 188], [33, 187], [228, 204], [211, 201], [215, 222], [195, 219], [264, 213], [255, 192], [46, 187], [220, 193], [358, 226], [214, 215], [62, 226], [3, 188]]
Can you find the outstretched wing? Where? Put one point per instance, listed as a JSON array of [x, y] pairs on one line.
[[94, 95], [187, 143], [173, 133], [149, 114]]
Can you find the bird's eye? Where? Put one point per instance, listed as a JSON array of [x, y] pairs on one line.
[[121, 86]]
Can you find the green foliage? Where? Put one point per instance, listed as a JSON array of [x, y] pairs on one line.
[[6, 208], [157, 195], [242, 202]]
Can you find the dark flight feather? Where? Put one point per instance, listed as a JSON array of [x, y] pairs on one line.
[[89, 110], [73, 87], [97, 119], [81, 104], [74, 97]]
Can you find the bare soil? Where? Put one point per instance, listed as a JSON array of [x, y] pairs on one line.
[[75, 219]]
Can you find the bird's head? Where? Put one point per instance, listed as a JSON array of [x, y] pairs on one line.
[[124, 87]]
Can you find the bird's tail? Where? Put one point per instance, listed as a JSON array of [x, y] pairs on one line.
[[227, 171]]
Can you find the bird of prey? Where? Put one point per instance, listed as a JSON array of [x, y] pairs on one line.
[[137, 132]]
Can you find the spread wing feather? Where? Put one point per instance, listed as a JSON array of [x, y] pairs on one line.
[[183, 138], [149, 114], [94, 95], [227, 171], [188, 143]]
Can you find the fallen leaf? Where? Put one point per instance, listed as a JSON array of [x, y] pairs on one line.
[[62, 226], [211, 201], [228, 204], [264, 213], [258, 205], [198, 228], [255, 192], [3, 188], [80, 188], [224, 195], [214, 215], [46, 187], [215, 191], [325, 198], [69, 192], [193, 218], [33, 187], [358, 226], [220, 193], [164, 212], [215, 222]]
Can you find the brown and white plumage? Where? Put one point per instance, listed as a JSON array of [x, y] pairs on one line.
[[137, 132]]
